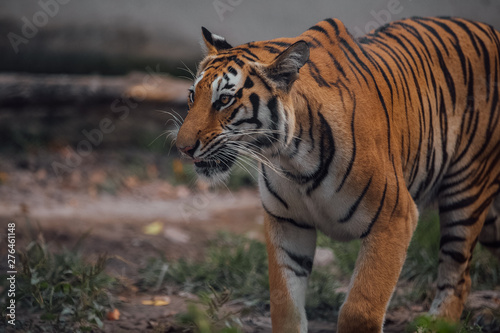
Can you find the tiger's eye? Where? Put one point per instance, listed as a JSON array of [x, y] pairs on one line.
[[224, 99]]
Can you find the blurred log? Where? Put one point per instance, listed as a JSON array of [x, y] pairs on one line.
[[30, 89]]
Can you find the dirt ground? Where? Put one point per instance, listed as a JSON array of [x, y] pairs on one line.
[[67, 207]]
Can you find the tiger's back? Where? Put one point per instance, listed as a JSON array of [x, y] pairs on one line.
[[453, 67]]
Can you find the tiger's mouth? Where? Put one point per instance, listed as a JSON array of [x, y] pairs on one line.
[[215, 165]]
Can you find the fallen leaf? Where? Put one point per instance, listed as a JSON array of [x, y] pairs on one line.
[[113, 315], [154, 228], [176, 235], [157, 301]]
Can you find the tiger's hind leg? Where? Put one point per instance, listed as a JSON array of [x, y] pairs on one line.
[[490, 235], [463, 212]]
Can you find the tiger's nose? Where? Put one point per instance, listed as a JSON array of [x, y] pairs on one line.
[[189, 150]]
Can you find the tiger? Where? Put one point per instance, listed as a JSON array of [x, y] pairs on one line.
[[353, 137]]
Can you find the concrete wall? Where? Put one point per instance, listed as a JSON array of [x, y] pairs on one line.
[[170, 29]]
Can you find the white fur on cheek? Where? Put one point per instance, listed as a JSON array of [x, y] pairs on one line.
[[226, 84]]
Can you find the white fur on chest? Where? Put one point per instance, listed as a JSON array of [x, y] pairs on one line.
[[323, 208]]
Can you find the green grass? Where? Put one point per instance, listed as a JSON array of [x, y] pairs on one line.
[[421, 265], [238, 264], [322, 301], [345, 253], [65, 292], [231, 262], [211, 315], [428, 324]]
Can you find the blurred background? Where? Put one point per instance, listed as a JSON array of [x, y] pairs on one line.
[[88, 92]]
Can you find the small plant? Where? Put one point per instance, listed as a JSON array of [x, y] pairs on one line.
[[429, 324], [66, 291], [212, 315]]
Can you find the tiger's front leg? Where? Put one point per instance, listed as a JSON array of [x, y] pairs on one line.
[[290, 247], [379, 263]]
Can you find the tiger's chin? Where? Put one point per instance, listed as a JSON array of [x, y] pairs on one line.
[[215, 170]]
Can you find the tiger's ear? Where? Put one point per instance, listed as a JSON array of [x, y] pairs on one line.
[[285, 67], [213, 42]]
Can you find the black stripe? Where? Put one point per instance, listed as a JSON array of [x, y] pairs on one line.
[[320, 29], [311, 124], [456, 44], [239, 62], [354, 207], [444, 286], [388, 120], [465, 222], [490, 220], [295, 271], [296, 142], [353, 156], [272, 49], [397, 186], [248, 83], [445, 239], [305, 262], [288, 220], [250, 53], [316, 74], [455, 255], [327, 147], [493, 244], [375, 218], [354, 65], [248, 58], [233, 114], [463, 203], [264, 82], [448, 78], [282, 44], [334, 25], [337, 65], [272, 106], [434, 33], [232, 70], [270, 189], [255, 100], [471, 35]]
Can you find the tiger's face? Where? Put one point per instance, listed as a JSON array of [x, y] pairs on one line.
[[237, 106]]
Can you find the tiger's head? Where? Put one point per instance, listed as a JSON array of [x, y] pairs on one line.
[[238, 104]]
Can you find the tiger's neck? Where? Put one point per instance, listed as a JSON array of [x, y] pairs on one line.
[[311, 147]]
